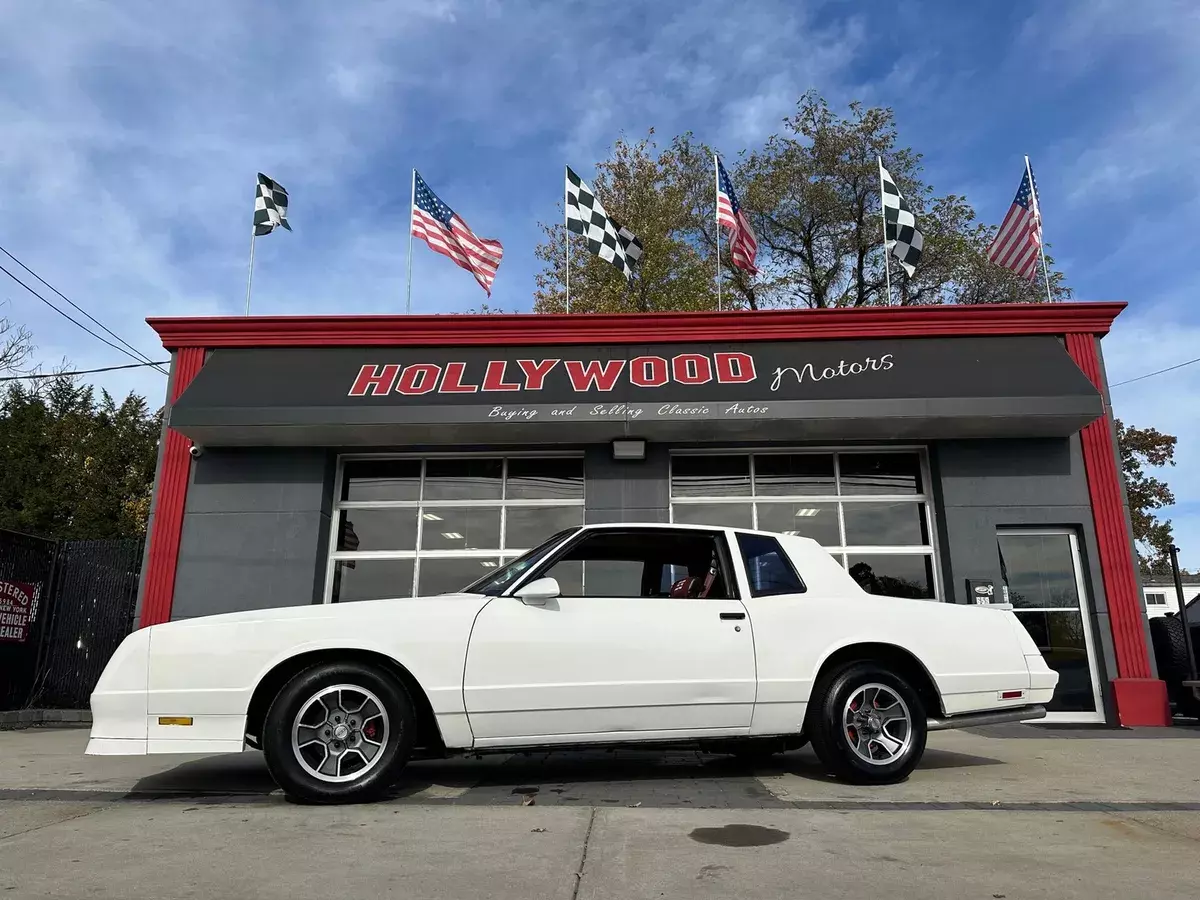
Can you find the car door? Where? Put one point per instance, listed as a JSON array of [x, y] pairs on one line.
[[616, 656]]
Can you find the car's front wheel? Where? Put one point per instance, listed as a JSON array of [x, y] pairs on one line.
[[338, 733], [867, 724]]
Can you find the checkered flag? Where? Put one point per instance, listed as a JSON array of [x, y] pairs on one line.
[[605, 236], [899, 224], [270, 206]]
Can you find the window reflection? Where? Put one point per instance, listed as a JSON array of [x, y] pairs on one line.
[[893, 576], [371, 579], [880, 473]]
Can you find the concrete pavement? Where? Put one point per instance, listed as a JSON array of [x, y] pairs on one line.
[[1017, 813]]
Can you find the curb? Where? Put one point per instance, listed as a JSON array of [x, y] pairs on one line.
[[26, 718]]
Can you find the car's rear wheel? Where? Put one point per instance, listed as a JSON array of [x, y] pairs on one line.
[[867, 724], [338, 733]]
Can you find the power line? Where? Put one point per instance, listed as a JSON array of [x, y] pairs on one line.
[[84, 371], [138, 353], [1159, 372], [73, 321]]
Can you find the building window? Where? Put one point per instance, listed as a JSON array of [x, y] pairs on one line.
[[1156, 599], [414, 527], [869, 508]]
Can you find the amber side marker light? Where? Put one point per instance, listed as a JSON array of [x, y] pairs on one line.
[[174, 720]]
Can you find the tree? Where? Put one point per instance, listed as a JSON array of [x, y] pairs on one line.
[[16, 346], [1142, 447], [812, 192], [648, 191], [72, 465]]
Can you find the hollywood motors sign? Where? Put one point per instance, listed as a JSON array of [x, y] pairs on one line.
[[581, 376]]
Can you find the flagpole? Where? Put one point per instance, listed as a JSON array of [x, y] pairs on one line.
[[250, 278], [412, 201], [887, 266], [1037, 206], [716, 212], [567, 238]]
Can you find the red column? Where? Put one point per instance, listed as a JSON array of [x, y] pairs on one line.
[[167, 527], [1141, 699]]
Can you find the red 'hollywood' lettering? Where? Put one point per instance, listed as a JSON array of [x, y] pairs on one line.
[[536, 372], [452, 381], [648, 371], [603, 376], [493, 378], [735, 368], [691, 368], [377, 380], [420, 378]]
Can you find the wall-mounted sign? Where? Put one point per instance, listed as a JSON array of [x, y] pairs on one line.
[[909, 382], [17, 609]]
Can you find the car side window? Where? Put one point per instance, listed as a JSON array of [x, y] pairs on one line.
[[768, 567], [650, 563]]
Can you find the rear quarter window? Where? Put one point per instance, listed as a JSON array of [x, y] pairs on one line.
[[768, 568]]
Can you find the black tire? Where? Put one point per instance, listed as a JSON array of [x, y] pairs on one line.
[[1170, 651], [831, 739], [396, 736]]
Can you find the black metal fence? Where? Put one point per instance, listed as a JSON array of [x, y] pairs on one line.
[[85, 608]]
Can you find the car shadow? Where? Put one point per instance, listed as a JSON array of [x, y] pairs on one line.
[[229, 773], [246, 774]]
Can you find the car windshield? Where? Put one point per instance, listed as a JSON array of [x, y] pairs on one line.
[[493, 585]]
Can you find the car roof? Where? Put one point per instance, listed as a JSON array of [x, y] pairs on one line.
[[679, 526]]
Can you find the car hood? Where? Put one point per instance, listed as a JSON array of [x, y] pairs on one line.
[[320, 611]]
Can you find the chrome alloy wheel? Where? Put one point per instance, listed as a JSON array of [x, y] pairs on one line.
[[340, 732], [878, 724]]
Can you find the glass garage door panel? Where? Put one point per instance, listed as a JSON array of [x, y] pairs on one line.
[[1041, 572]]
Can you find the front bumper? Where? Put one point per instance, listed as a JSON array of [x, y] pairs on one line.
[[119, 701]]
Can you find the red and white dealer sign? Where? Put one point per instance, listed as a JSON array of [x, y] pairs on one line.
[[16, 610]]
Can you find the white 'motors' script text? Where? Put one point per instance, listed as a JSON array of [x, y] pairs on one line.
[[808, 372]]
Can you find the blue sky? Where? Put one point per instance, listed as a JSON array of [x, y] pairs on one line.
[[130, 133]]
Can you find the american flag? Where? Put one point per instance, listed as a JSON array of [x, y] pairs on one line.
[[743, 245], [446, 233], [1019, 240]]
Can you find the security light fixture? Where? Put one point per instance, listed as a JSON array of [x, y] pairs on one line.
[[629, 448]]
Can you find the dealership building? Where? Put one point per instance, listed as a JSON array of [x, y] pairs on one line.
[[951, 454]]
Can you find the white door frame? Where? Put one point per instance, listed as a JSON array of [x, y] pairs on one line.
[[1085, 611]]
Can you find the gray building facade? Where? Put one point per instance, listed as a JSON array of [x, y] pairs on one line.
[[945, 454]]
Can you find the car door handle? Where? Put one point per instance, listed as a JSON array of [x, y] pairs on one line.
[[731, 616]]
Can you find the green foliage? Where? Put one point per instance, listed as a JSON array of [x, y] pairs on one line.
[[812, 193], [1142, 447], [73, 465]]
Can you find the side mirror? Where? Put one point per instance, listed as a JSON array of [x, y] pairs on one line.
[[539, 592]]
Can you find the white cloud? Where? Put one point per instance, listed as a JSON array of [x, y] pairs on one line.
[[1143, 343]]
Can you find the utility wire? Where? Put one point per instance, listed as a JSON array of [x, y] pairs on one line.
[[1159, 372], [84, 371], [138, 353], [74, 321]]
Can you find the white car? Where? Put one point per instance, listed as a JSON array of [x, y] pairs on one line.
[[741, 641]]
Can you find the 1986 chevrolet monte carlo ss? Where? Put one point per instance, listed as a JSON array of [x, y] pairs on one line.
[[744, 642]]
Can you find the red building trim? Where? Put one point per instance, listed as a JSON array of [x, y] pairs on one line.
[[167, 528], [1141, 699], [636, 328]]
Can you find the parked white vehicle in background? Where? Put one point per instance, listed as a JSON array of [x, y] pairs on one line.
[[747, 642]]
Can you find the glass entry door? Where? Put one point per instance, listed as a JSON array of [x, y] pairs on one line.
[[1043, 579]]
